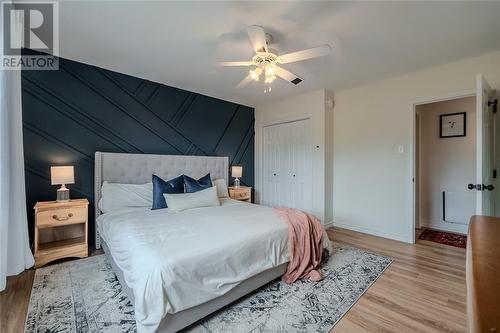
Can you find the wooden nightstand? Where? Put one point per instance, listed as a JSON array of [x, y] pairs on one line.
[[60, 230], [242, 193]]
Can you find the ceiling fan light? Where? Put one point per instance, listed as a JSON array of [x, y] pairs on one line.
[[270, 70], [255, 74], [270, 78], [252, 73]]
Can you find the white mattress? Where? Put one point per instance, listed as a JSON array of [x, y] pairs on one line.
[[176, 260]]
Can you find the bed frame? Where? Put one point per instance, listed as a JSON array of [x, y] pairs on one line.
[[137, 169]]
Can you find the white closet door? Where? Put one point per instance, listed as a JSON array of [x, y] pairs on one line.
[[300, 170], [285, 151], [271, 166], [287, 164], [289, 187]]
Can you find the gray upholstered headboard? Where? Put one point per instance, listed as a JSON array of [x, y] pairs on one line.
[[138, 168]]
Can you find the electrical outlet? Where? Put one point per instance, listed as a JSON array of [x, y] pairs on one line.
[[401, 149]]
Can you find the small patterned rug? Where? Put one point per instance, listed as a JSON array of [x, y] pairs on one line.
[[443, 237], [85, 296]]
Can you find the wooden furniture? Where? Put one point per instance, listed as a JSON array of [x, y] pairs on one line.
[[483, 274], [242, 193], [60, 230]]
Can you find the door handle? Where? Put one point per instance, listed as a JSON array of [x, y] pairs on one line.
[[480, 187], [488, 187]]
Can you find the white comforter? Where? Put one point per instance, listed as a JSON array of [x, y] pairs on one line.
[[176, 260]]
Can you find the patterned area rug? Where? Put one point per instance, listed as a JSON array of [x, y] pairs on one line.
[[443, 237], [85, 296]]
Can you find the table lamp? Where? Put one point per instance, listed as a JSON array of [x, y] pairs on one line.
[[236, 171], [62, 175]]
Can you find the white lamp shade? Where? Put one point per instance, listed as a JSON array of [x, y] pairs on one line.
[[236, 171], [62, 175]]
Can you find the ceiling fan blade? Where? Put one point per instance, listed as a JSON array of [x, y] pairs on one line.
[[243, 83], [257, 37], [286, 75], [314, 52], [236, 63]]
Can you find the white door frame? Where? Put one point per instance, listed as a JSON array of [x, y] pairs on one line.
[[411, 147]]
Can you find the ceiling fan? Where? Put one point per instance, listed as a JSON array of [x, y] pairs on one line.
[[266, 60]]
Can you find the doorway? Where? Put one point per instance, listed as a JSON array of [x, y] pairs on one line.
[[445, 163], [456, 206]]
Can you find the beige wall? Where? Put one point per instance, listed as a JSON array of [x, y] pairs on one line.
[[371, 179], [447, 164], [310, 105]]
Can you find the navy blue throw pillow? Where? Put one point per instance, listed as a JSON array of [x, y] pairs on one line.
[[193, 185], [175, 185]]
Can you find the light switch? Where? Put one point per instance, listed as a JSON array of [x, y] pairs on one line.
[[401, 149]]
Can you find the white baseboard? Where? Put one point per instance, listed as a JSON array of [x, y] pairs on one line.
[[445, 226], [405, 239]]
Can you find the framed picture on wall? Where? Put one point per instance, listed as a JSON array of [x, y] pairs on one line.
[[452, 125]]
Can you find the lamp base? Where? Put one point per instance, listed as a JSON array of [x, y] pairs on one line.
[[236, 183], [62, 194]]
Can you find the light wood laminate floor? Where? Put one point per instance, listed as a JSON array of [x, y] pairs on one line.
[[422, 291]]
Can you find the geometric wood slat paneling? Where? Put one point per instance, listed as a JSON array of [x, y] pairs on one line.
[[70, 113]]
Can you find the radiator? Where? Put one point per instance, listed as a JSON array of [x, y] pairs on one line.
[[458, 206]]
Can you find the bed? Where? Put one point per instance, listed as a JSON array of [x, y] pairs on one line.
[[178, 267]]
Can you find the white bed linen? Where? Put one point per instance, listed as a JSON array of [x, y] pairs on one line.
[[176, 260]]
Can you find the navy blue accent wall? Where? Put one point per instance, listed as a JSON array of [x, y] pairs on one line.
[[71, 113]]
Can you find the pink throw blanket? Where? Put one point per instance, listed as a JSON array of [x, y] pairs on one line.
[[304, 244]]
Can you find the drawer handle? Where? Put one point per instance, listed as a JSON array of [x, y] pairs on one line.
[[62, 218]]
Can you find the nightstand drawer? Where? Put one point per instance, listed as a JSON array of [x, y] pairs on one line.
[[242, 195], [61, 216]]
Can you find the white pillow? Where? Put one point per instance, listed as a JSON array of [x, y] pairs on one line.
[[182, 201], [117, 196], [221, 188]]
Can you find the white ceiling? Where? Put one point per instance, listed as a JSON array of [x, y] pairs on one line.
[[179, 43]]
